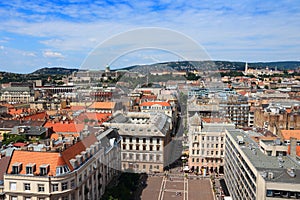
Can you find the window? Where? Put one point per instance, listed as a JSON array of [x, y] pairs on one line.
[[26, 186], [124, 139], [44, 169], [12, 186], [158, 158], [55, 187], [144, 147], [144, 140], [221, 145], [137, 147], [41, 187], [151, 140], [13, 198], [203, 138], [137, 140], [80, 178], [151, 157], [157, 147], [130, 139], [151, 147], [73, 182], [144, 166], [158, 141], [124, 146], [130, 147], [29, 170], [217, 145], [65, 198], [64, 186]]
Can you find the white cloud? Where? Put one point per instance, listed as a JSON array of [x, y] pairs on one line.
[[1, 47], [52, 54]]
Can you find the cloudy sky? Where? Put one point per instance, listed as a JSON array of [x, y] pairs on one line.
[[36, 34]]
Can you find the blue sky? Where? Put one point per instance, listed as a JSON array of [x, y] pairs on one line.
[[36, 34]]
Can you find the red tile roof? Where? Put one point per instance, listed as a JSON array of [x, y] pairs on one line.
[[287, 134], [76, 149], [103, 105], [297, 150], [38, 158], [36, 117], [102, 117], [54, 159], [64, 127]]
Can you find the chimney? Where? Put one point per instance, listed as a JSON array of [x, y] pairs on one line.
[[293, 147]]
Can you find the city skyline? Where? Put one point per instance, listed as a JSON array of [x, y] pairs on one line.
[[48, 33]]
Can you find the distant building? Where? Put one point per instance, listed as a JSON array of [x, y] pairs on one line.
[[16, 95], [250, 172]]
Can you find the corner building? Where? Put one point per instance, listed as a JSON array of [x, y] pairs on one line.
[[78, 172], [251, 174]]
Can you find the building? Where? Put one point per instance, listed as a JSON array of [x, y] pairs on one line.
[[277, 115], [17, 95], [206, 145], [252, 173], [77, 170], [236, 108], [145, 140]]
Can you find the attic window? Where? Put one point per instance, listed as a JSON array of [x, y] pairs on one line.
[[62, 170], [44, 169], [16, 168], [30, 168]]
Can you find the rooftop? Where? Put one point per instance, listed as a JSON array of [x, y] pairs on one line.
[[263, 163]]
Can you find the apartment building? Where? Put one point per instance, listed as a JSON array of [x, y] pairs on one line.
[[206, 145], [236, 108], [145, 137], [16, 95], [77, 170], [277, 115], [252, 171]]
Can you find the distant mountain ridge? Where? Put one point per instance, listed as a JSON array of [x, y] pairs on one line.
[[179, 66], [54, 71]]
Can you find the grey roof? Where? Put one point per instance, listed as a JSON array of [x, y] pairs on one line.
[[16, 89], [29, 130], [217, 127], [264, 163], [141, 124]]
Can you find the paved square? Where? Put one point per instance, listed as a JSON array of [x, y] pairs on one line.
[[176, 187]]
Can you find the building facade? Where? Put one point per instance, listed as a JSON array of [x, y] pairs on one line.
[[206, 145], [145, 137], [79, 171], [251, 173]]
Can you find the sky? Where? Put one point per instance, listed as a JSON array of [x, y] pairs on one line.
[[45, 33]]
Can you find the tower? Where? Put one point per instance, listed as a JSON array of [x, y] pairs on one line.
[[246, 67], [107, 69]]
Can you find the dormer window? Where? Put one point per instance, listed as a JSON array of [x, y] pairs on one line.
[[16, 168], [62, 170], [44, 169], [30, 168]]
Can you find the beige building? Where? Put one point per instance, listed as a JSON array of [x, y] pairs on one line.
[[251, 172], [206, 145], [16, 95], [77, 171], [145, 137]]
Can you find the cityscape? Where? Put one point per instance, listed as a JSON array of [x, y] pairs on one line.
[[96, 106]]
